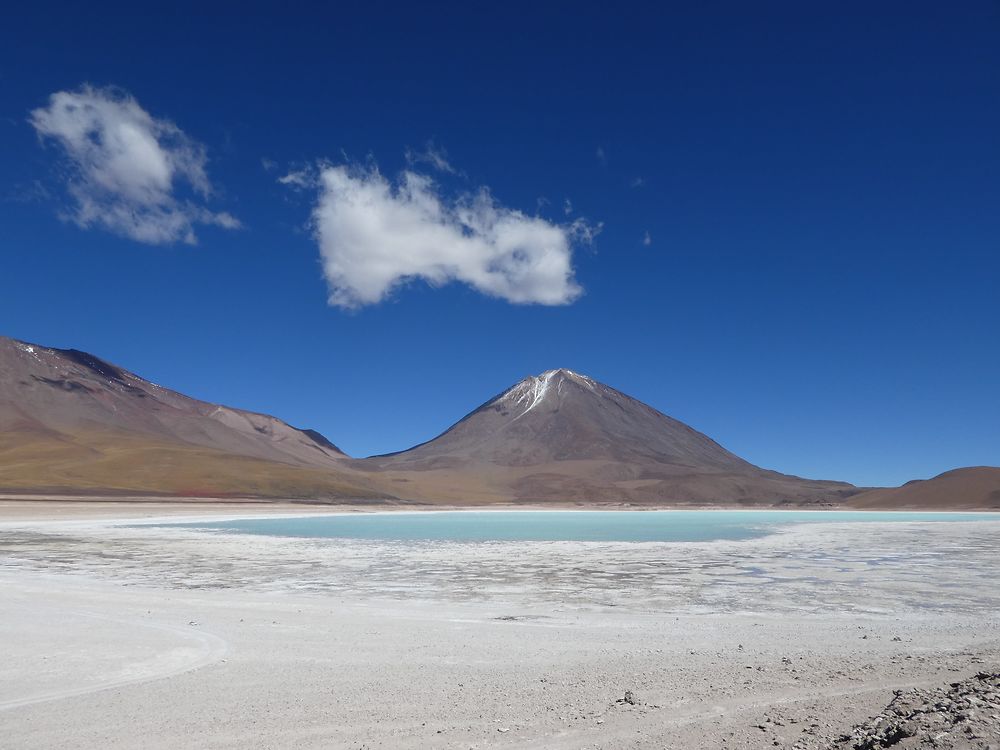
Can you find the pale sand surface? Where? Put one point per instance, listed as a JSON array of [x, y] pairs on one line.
[[123, 637]]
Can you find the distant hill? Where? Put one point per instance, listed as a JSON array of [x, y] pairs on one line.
[[562, 436], [71, 422], [973, 488]]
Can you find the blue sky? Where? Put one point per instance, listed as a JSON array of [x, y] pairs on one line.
[[819, 188]]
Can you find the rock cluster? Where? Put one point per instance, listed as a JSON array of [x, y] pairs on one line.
[[962, 716]]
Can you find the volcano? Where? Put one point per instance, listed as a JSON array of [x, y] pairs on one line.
[[562, 436]]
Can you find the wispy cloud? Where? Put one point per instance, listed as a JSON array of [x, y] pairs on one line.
[[32, 192], [129, 172], [602, 157], [636, 182], [647, 240], [299, 178], [375, 234], [433, 156]]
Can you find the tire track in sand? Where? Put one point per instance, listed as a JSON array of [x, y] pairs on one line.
[[213, 649]]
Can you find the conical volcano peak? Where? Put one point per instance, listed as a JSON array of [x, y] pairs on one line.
[[561, 415], [564, 435]]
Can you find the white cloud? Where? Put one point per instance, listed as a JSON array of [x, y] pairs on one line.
[[637, 182], [375, 235], [126, 167], [647, 240]]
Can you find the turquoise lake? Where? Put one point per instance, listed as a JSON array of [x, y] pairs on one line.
[[554, 526]]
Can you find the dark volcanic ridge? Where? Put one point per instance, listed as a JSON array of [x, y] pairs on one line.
[[72, 423]]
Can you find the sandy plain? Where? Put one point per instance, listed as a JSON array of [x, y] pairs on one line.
[[119, 635]]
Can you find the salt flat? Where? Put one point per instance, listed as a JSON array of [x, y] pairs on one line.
[[118, 635]]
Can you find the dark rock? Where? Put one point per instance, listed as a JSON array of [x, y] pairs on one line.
[[944, 718]]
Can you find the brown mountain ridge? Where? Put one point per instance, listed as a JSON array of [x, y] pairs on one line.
[[971, 488], [71, 422], [74, 424]]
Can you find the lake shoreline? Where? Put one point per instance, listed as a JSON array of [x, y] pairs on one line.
[[152, 510]]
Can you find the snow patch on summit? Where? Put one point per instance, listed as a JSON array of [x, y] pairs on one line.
[[533, 390], [589, 382], [29, 350], [538, 388]]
